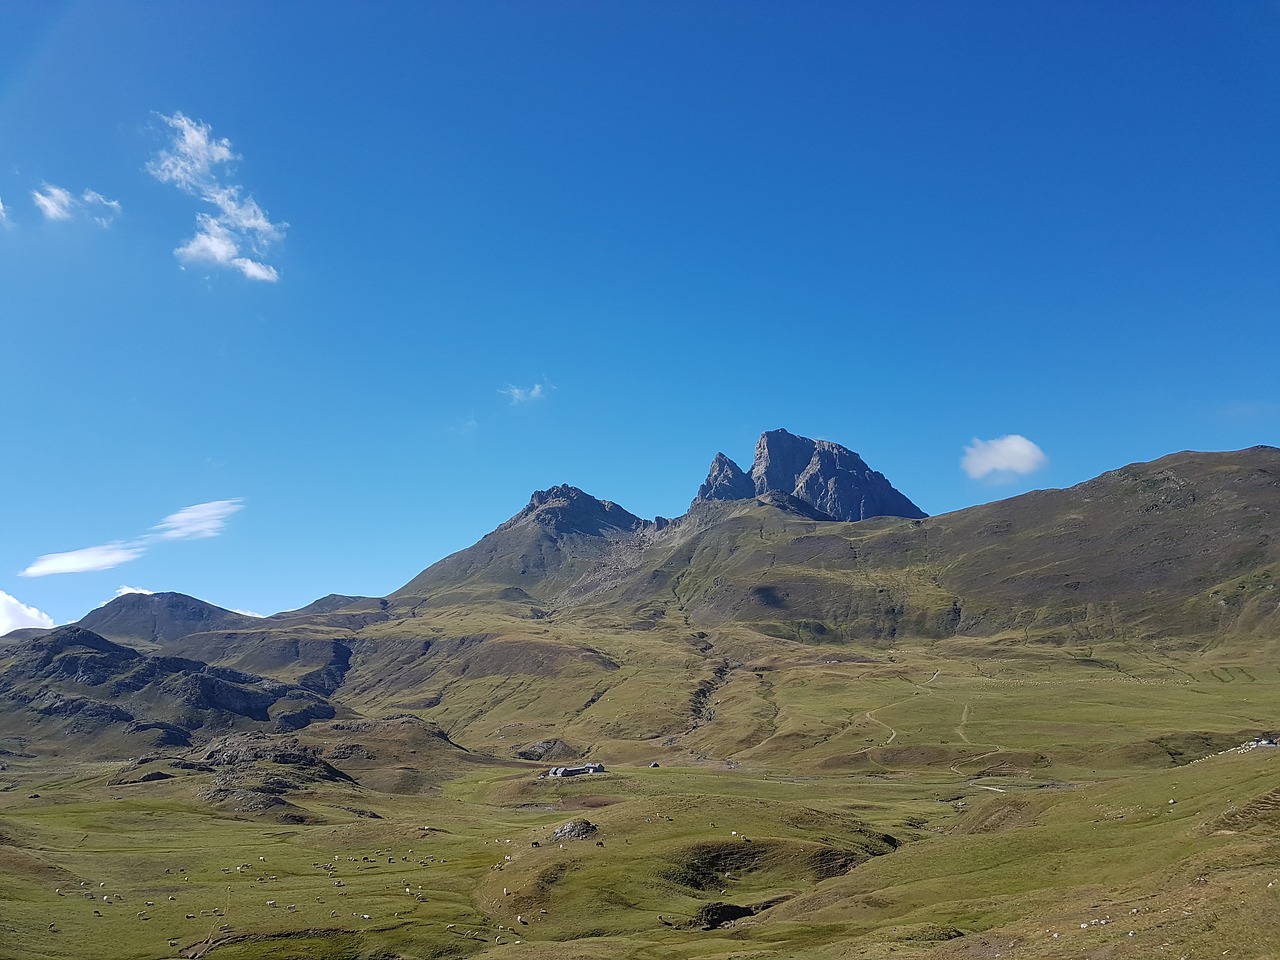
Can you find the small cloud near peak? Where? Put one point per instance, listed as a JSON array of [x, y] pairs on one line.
[[1003, 458]]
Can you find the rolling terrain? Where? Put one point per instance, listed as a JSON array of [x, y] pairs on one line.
[[1012, 730]]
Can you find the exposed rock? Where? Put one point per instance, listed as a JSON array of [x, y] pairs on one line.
[[725, 481], [715, 915], [815, 479], [552, 749], [827, 476], [579, 829]]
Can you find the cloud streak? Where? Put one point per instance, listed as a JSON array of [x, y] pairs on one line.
[[238, 233], [199, 521], [190, 523], [524, 394], [1002, 459], [14, 615], [58, 203]]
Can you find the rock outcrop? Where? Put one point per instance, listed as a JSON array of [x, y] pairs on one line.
[[726, 481], [828, 477]]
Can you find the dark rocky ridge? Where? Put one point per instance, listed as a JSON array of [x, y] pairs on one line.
[[85, 684], [725, 481], [826, 476]]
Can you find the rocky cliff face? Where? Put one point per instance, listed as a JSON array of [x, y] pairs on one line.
[[726, 481], [825, 475]]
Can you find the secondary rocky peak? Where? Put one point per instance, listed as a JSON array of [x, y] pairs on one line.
[[828, 477], [726, 481], [565, 509]]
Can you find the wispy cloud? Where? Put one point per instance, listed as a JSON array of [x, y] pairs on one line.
[[238, 227], [54, 202], [86, 560], [4, 217], [190, 523], [197, 522], [14, 614], [1002, 459], [524, 394], [58, 203]]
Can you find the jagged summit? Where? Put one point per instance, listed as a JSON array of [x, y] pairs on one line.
[[565, 509], [725, 481], [825, 475]]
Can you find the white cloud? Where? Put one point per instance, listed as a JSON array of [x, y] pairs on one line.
[[101, 209], [84, 561], [4, 217], [199, 521], [249, 613], [14, 615], [190, 523], [57, 203], [239, 226], [124, 590], [524, 394], [1002, 458]]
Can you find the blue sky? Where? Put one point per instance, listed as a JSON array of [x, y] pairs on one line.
[[298, 298]]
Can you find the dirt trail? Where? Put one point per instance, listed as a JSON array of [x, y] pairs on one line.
[[964, 718], [893, 734]]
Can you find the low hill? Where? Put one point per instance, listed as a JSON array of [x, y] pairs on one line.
[[76, 685], [160, 618]]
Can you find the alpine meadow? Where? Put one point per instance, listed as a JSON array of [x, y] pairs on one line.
[[639, 480], [1042, 727]]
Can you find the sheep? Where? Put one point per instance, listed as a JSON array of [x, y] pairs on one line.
[[271, 903]]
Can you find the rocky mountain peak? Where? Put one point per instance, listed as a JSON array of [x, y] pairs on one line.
[[564, 509], [725, 481], [828, 477]]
